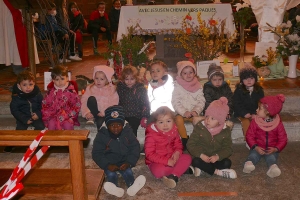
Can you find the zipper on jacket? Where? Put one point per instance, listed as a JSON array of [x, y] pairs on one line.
[[267, 138]]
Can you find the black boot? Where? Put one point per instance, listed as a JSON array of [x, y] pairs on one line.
[[184, 141]]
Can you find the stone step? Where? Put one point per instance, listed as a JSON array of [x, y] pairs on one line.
[[291, 123]]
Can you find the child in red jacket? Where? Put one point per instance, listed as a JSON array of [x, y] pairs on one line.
[[163, 148], [266, 135]]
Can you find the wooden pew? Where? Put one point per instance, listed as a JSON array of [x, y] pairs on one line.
[[74, 140]]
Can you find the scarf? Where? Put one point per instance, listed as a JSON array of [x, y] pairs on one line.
[[192, 86], [20, 93], [267, 126], [216, 130]]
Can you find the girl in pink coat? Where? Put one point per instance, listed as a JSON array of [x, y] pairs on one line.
[[266, 135], [61, 105], [163, 148], [99, 95]]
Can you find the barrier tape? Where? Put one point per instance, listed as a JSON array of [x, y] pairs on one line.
[[13, 185]]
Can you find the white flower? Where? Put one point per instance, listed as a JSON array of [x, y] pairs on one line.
[[247, 2], [289, 24], [298, 18], [245, 5], [238, 6]]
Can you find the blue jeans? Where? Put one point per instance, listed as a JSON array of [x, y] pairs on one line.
[[113, 176], [254, 157]]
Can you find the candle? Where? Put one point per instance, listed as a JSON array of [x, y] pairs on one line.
[[228, 82], [82, 91], [261, 78]]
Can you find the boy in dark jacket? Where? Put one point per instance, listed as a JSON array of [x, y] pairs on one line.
[[99, 23], [26, 103], [114, 15], [216, 88], [116, 149]]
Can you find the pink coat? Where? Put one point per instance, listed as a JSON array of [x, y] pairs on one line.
[[64, 105], [274, 138], [106, 97], [159, 147]]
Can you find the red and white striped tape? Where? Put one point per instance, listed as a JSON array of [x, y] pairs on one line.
[[13, 185]]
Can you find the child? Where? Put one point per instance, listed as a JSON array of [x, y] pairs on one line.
[[99, 95], [61, 104], [116, 149], [163, 148], [266, 135], [187, 99], [210, 143], [216, 87], [133, 98], [246, 96], [26, 104], [161, 87]]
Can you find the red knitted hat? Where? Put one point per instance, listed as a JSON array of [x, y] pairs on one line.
[[273, 104], [218, 109]]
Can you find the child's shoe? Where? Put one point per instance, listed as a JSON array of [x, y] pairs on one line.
[[190, 170], [112, 189], [90, 122], [197, 171], [248, 167], [273, 171], [170, 181], [8, 149], [227, 173], [138, 184]]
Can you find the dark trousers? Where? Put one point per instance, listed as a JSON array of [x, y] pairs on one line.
[[93, 106], [37, 124], [211, 167], [134, 123], [95, 36], [64, 44]]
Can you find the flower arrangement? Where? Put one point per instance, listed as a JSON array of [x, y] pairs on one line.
[[243, 13], [265, 60], [289, 40], [203, 41]]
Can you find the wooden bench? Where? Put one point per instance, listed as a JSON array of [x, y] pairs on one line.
[[40, 183]]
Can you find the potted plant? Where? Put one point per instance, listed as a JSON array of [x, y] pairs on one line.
[[288, 42]]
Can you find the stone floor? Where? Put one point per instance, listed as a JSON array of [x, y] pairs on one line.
[[247, 186]]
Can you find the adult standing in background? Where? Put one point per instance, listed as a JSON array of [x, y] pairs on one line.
[[99, 23], [114, 15]]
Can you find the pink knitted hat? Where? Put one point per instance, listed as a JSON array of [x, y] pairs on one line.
[[182, 64], [273, 104], [218, 109], [108, 71]]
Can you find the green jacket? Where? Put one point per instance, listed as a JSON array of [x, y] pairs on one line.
[[201, 141]]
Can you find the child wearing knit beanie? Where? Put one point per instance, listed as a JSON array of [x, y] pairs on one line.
[[246, 96], [187, 98], [266, 135], [216, 87], [210, 143], [116, 149], [99, 95]]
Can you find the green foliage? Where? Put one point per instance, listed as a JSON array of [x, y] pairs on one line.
[[243, 15]]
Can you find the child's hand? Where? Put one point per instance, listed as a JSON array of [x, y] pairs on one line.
[[187, 114], [34, 116], [194, 114], [113, 168], [171, 162], [271, 150], [124, 166], [101, 114], [214, 158], [29, 121], [205, 158], [175, 156], [248, 115], [89, 116], [230, 124], [197, 119], [260, 150], [143, 122], [66, 36]]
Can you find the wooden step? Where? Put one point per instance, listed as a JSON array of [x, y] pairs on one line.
[[53, 184]]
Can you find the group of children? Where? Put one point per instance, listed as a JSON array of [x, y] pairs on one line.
[[129, 104]]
